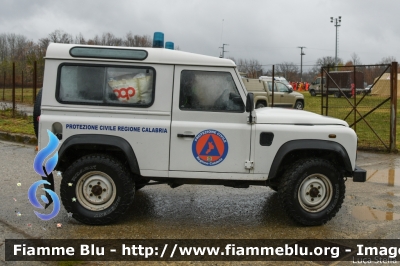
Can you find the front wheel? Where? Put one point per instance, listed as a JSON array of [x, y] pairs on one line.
[[299, 105], [97, 189], [312, 92], [312, 191]]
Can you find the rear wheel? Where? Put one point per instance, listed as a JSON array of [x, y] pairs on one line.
[[97, 189], [312, 191], [261, 105]]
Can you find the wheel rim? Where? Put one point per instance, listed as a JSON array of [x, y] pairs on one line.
[[96, 191], [315, 193], [299, 106]]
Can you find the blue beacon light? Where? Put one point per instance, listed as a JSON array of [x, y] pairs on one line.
[[169, 45], [158, 40]]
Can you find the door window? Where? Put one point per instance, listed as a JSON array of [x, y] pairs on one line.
[[209, 91]]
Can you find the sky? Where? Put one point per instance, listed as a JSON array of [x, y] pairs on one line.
[[265, 30]]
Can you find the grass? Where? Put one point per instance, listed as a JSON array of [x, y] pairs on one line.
[[379, 120], [19, 124], [6, 95]]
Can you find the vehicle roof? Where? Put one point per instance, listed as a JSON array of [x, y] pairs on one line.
[[155, 55]]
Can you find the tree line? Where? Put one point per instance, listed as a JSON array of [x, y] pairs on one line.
[[254, 69], [18, 49], [24, 52]]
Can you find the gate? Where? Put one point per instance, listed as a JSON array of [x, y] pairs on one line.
[[370, 110]]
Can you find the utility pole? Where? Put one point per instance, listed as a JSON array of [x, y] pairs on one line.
[[223, 50], [336, 22], [301, 62]]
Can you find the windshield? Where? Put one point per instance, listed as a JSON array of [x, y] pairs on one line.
[[284, 81]]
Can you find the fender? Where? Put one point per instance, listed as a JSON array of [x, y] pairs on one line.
[[95, 139], [309, 144]]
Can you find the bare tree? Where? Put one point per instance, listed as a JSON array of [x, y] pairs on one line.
[[355, 59], [137, 40], [109, 39], [79, 39], [287, 69], [59, 36], [387, 60], [252, 68]]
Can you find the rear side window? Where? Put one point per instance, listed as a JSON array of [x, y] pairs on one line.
[[105, 85]]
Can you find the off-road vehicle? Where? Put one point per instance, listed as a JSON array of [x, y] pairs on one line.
[[129, 116], [283, 95]]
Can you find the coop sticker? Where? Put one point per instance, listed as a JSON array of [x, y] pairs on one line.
[[210, 147]]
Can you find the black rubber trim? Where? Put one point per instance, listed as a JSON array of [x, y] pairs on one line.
[[185, 136], [359, 175], [266, 138], [309, 144], [94, 139]]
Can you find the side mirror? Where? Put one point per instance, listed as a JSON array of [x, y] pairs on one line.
[[290, 90], [250, 102]]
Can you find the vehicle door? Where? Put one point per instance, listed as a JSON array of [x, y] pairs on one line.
[[277, 94], [285, 97], [209, 130], [318, 84]]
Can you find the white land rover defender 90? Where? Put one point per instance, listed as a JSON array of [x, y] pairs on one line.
[[127, 116]]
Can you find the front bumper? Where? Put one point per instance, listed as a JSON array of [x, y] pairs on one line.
[[359, 175]]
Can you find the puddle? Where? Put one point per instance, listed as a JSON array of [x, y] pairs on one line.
[[366, 213], [391, 177]]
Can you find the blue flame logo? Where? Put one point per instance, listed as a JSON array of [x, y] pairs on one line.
[[44, 153], [36, 203], [44, 169]]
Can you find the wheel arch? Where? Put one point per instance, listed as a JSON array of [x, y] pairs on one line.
[[260, 98], [296, 149], [80, 145]]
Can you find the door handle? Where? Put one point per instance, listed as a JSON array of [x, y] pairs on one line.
[[185, 136]]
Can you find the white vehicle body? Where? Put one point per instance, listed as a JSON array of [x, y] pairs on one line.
[[281, 79], [158, 139]]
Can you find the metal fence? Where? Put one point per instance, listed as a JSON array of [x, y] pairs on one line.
[[19, 86], [370, 110]]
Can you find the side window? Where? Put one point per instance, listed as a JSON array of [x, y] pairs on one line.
[[105, 85], [209, 91], [281, 87], [270, 86]]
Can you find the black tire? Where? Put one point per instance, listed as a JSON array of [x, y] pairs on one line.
[[312, 92], [36, 112], [337, 94], [260, 105], [323, 183], [97, 189], [299, 105]]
